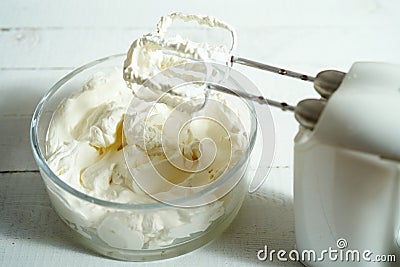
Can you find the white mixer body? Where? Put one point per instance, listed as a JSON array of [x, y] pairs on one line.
[[347, 172]]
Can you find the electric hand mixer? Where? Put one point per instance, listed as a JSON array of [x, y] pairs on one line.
[[347, 151]]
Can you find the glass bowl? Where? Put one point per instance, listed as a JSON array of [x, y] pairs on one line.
[[102, 225]]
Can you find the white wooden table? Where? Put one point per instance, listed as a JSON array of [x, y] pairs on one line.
[[40, 41]]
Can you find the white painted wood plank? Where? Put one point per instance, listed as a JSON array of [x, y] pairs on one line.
[[21, 90], [128, 13], [32, 234], [311, 49], [14, 145], [49, 48], [305, 48]]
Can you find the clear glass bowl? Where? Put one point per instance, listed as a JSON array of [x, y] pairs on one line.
[[90, 217]]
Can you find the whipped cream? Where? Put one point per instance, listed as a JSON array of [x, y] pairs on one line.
[[85, 145], [156, 51]]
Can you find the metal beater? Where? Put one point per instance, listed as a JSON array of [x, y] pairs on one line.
[[307, 112]]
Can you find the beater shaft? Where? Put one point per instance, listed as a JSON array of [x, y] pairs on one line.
[[262, 66], [307, 111]]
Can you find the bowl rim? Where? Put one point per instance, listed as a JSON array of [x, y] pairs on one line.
[[43, 166]]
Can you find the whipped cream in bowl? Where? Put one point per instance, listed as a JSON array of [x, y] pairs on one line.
[[135, 175]]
